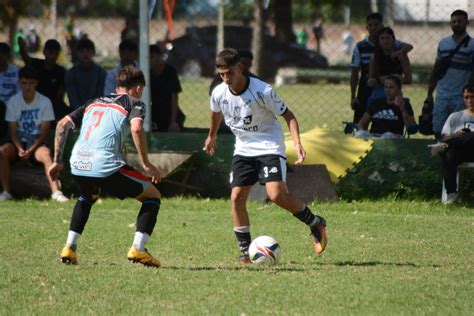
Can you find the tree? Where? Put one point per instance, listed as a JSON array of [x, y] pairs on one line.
[[284, 21], [10, 10]]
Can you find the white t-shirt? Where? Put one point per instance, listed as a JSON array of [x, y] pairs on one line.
[[9, 84], [251, 116], [29, 116], [457, 121]]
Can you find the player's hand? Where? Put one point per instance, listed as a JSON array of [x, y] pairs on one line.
[[26, 154], [54, 170], [300, 153], [174, 127], [152, 172], [210, 145]]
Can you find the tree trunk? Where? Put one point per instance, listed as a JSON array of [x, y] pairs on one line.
[[257, 38], [284, 22]]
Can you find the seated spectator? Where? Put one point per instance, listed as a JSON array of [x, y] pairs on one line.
[[387, 61], [8, 85], [86, 79], [166, 115], [128, 52], [389, 115], [457, 143], [29, 116], [51, 75]]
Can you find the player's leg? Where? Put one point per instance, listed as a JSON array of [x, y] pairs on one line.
[[128, 182], [272, 172], [43, 155], [243, 175], [90, 191], [8, 153]]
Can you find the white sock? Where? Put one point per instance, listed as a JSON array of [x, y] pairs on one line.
[[72, 238], [242, 229], [140, 240]]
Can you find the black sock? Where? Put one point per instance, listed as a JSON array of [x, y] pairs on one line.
[[243, 240], [146, 219], [80, 215], [307, 217]]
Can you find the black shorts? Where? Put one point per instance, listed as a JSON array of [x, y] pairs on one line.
[[126, 182], [247, 171]]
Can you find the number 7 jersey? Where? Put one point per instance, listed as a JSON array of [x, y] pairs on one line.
[[105, 122]]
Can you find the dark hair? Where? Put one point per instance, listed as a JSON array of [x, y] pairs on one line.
[[378, 51], [85, 43], [468, 88], [128, 45], [227, 57], [129, 77], [28, 72], [374, 16], [245, 53], [156, 49], [5, 48], [396, 79], [52, 44], [459, 13]]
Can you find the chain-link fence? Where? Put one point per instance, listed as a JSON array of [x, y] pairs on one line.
[[319, 96]]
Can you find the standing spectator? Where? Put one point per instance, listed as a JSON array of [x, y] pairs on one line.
[[51, 75], [98, 165], [383, 64], [457, 143], [249, 107], [318, 33], [363, 52], [302, 36], [128, 52], [32, 39], [29, 116], [164, 88], [347, 41], [390, 115], [451, 71], [131, 30], [86, 79], [15, 48], [9, 85]]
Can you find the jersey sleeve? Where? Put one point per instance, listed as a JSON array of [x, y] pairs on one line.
[[214, 103], [355, 62], [447, 128], [48, 114], [273, 102], [137, 111], [10, 115], [76, 116]]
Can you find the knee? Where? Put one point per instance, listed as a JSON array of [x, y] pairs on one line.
[[277, 196], [237, 197]]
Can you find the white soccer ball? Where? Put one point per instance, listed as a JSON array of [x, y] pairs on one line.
[[264, 250]]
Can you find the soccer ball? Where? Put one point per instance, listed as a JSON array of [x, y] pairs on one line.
[[264, 250]]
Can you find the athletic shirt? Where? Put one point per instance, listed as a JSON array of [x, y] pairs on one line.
[[251, 116], [387, 117], [460, 67], [105, 124], [457, 121], [9, 84]]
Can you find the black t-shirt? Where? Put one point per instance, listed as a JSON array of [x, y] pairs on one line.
[[387, 117], [162, 87], [50, 80]]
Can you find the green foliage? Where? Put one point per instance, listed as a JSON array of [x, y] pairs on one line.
[[403, 258]]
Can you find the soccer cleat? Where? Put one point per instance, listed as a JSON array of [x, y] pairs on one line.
[[4, 196], [68, 255], [451, 198], [438, 148], [244, 259], [58, 196], [143, 257], [319, 235]]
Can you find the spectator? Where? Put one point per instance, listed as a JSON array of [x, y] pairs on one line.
[[383, 64], [389, 115], [302, 36], [32, 39], [51, 75], [8, 85], [128, 52], [363, 52], [29, 116], [458, 69], [347, 41], [86, 79], [318, 33], [15, 48], [131, 31], [457, 143], [164, 88]]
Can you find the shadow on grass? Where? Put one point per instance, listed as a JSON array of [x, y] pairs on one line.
[[378, 263], [241, 268]]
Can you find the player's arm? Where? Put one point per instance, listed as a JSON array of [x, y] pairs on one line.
[[373, 80], [62, 130], [364, 121], [23, 52], [406, 67], [293, 126], [14, 136], [139, 139], [354, 83], [405, 48], [174, 127], [210, 145], [44, 131]]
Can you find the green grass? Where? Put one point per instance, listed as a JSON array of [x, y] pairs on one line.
[[315, 105], [383, 258]]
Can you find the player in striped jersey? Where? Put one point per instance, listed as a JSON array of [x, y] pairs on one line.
[[98, 165]]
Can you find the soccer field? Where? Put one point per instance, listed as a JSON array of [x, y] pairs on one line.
[[388, 257]]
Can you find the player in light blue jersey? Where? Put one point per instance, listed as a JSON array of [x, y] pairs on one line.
[[98, 165]]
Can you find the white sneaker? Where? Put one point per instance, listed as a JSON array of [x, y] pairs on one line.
[[58, 196], [4, 196], [438, 148], [451, 198]]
